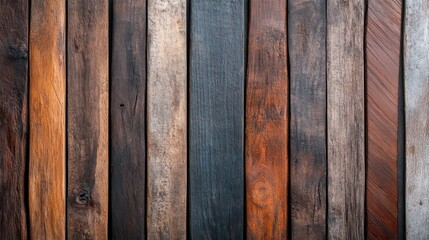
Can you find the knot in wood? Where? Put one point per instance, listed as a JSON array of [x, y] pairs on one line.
[[83, 197]]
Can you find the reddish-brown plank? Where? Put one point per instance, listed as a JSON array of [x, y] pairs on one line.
[[383, 44], [266, 121]]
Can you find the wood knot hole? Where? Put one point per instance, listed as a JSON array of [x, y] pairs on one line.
[[83, 197]]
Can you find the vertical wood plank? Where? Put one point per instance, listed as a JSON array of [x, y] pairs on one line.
[[87, 124], [416, 70], [383, 46], [266, 122], [47, 120], [345, 108], [127, 120], [216, 123], [167, 120], [13, 117], [307, 56]]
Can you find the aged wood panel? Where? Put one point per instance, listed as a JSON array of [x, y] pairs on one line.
[[87, 123], [167, 120], [13, 117], [127, 120], [346, 117], [47, 162], [266, 122], [383, 45], [416, 70], [307, 57], [216, 117]]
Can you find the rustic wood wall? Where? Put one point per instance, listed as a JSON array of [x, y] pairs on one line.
[[201, 119]]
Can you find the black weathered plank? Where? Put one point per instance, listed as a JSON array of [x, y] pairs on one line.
[[127, 120], [13, 117], [216, 114]]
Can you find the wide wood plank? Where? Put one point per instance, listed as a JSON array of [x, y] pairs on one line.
[[47, 163], [167, 120], [346, 119], [416, 70], [13, 117], [216, 118], [127, 120], [307, 57], [266, 122], [87, 123], [383, 46]]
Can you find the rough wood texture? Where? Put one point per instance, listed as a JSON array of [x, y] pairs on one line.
[[307, 56], [346, 117], [13, 117], [167, 120], [127, 120], [216, 161], [416, 70], [383, 45], [87, 124], [266, 122], [47, 120]]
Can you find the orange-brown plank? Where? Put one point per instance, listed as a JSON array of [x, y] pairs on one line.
[[47, 120], [383, 44], [266, 121]]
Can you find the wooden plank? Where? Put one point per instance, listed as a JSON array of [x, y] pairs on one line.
[[383, 47], [13, 117], [47, 171], [127, 120], [216, 117], [346, 119], [307, 56], [266, 122], [416, 77], [167, 120], [87, 123]]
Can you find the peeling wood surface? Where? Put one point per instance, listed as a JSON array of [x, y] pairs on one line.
[[167, 120], [87, 124], [47, 162]]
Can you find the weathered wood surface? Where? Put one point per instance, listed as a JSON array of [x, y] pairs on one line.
[[416, 70], [266, 122], [383, 46], [87, 123], [216, 119], [346, 117], [13, 117], [47, 164], [127, 120], [167, 120], [307, 56]]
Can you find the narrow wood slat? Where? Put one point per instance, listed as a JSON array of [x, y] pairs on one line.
[[416, 70], [383, 45], [167, 120], [47, 162], [216, 119], [346, 119], [266, 122], [13, 117], [307, 56], [127, 120], [87, 123]]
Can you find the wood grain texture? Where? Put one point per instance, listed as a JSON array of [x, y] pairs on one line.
[[307, 57], [87, 123], [266, 122], [383, 47], [13, 117], [127, 120], [167, 120], [346, 119], [47, 162], [416, 70], [216, 119]]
